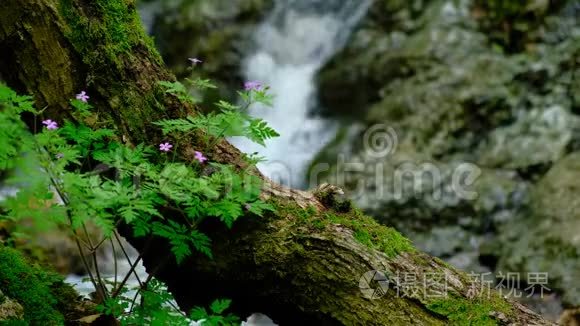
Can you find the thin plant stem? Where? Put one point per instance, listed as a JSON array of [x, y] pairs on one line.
[[99, 244], [114, 262], [96, 262], [132, 270], [117, 291], [76, 237], [126, 256]]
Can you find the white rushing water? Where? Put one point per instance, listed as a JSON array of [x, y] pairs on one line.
[[294, 42]]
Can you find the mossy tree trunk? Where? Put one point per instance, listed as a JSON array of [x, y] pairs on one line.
[[301, 264]]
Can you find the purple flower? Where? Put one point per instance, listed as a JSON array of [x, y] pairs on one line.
[[252, 85], [82, 96], [199, 156], [165, 147], [50, 125], [194, 61]]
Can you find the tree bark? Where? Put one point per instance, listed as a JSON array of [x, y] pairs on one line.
[[303, 263]]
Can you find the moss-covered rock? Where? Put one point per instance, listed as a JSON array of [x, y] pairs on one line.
[[513, 23], [43, 295], [445, 93], [546, 239], [477, 312], [537, 137]]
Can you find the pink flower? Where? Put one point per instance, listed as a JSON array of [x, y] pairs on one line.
[[165, 147], [82, 96], [199, 156], [194, 61], [50, 125], [252, 86]]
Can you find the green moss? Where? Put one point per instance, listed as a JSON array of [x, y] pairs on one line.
[[513, 23], [372, 234], [14, 323], [103, 30], [290, 209], [461, 311], [318, 224], [366, 230], [41, 293], [502, 9], [109, 38], [310, 210]]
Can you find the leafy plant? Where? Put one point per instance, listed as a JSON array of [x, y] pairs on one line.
[[215, 316], [231, 120], [76, 174], [179, 90]]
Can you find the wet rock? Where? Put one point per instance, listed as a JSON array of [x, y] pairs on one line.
[[536, 137], [443, 205], [444, 94], [546, 238]]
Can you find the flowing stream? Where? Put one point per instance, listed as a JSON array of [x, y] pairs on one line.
[[292, 44]]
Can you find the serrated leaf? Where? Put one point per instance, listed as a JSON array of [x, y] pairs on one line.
[[202, 83], [219, 306], [198, 313], [259, 131]]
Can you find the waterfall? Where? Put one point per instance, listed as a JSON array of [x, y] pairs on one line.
[[291, 45]]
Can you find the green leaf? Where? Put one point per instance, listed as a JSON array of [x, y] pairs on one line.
[[198, 313], [259, 131], [262, 97], [219, 306], [201, 242], [179, 90], [202, 83], [227, 106], [181, 125], [259, 207], [83, 108], [228, 211]]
